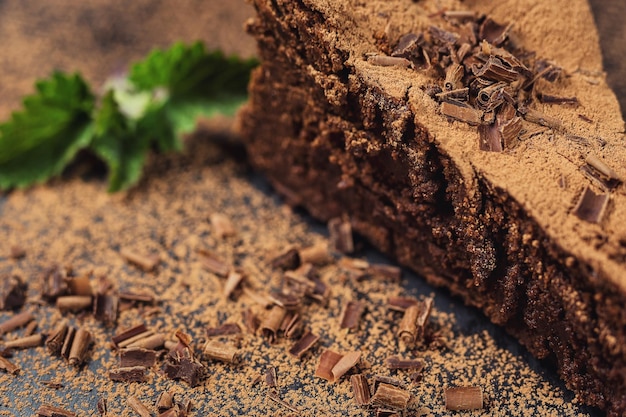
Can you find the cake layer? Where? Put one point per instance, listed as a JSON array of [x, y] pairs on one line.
[[341, 135]]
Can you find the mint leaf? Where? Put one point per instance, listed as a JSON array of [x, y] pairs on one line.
[[160, 101], [116, 141], [39, 141], [197, 83]]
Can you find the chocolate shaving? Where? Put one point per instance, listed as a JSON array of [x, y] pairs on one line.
[[539, 118], [493, 32], [464, 398], [12, 292], [454, 77], [80, 285], [381, 379], [172, 412], [55, 340], [495, 70], [591, 206], [24, 342], [271, 378], [291, 325], [584, 118], [80, 345], [16, 321], [225, 329], [460, 94], [352, 315], [54, 282], [257, 298], [274, 397], [222, 352], [185, 368], [147, 341], [287, 260], [460, 15], [17, 252], [316, 254], [340, 235], [549, 99], [401, 303], [605, 174], [490, 138], [414, 321], [394, 362], [361, 389], [46, 410], [462, 112], [74, 303], [52, 384], [305, 343], [383, 412], [286, 300], [164, 402], [67, 342], [442, 37], [145, 262], [328, 360], [547, 70], [250, 320], [211, 262], [134, 356], [388, 61], [391, 272], [138, 406], [343, 365], [129, 333], [390, 396], [233, 280], [128, 374], [409, 47], [491, 96], [8, 366], [102, 406], [137, 297], [105, 308]]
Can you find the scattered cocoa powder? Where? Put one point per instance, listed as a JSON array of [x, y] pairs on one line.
[[75, 222]]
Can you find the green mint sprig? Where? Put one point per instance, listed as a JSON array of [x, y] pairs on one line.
[[160, 100]]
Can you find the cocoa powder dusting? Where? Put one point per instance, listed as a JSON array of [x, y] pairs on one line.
[[75, 222]]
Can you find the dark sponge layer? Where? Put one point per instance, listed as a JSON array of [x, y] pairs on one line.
[[321, 134]]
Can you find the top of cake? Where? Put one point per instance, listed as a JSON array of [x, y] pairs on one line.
[[566, 165]]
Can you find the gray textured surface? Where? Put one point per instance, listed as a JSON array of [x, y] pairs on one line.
[[609, 15]]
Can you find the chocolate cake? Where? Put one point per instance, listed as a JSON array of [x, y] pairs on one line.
[[475, 142]]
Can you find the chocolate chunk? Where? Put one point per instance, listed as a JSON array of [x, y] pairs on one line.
[[305, 343], [493, 32], [352, 315], [12, 292], [54, 282], [189, 370], [591, 206]]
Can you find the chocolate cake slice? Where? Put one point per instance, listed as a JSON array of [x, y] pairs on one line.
[[476, 142]]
